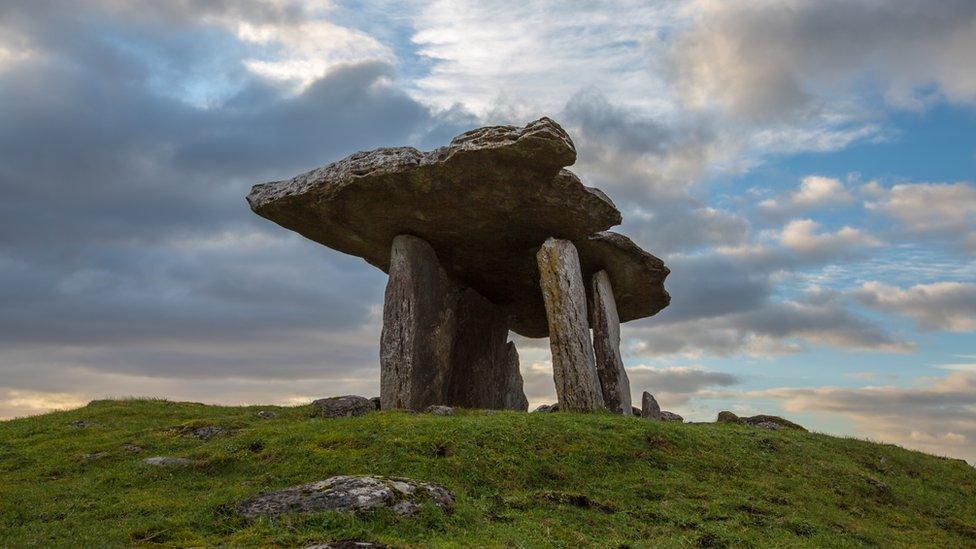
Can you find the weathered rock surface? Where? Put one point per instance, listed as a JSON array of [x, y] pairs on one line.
[[267, 414], [650, 409], [484, 371], [573, 362], [79, 424], [637, 277], [606, 346], [419, 325], [438, 410], [546, 409], [131, 448], [670, 416], [442, 343], [348, 493], [342, 406], [377, 402], [771, 425], [761, 420], [347, 544], [166, 461], [484, 203], [207, 432], [94, 456]]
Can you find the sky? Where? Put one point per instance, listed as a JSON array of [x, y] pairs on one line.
[[806, 168]]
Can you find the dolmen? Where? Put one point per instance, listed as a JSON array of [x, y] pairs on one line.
[[487, 235]]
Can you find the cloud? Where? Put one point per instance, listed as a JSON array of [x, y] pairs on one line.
[[800, 235], [937, 306], [814, 192], [945, 211], [775, 59], [774, 328], [939, 416]]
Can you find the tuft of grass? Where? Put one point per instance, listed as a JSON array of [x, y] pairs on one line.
[[522, 480]]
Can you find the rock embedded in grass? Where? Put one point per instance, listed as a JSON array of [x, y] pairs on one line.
[[650, 409], [438, 410], [761, 420], [347, 544], [546, 408], [265, 414], [208, 432], [166, 461], [349, 494], [670, 416], [343, 406]]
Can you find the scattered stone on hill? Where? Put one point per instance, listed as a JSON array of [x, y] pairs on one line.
[[343, 406], [670, 416], [347, 544], [771, 425], [266, 414], [348, 493], [208, 432], [546, 408], [93, 456], [606, 346], [728, 417], [166, 461], [131, 448], [376, 402], [439, 410], [80, 424], [650, 409], [573, 361]]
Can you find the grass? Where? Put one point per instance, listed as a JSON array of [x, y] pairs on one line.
[[524, 480]]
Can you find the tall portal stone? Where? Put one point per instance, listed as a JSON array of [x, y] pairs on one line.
[[606, 346], [419, 324], [573, 364], [483, 372]]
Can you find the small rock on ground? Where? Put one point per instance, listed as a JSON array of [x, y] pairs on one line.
[[347, 544], [166, 461], [650, 409], [546, 408], [670, 416], [208, 432], [93, 456], [80, 424], [343, 406], [768, 425], [348, 493], [265, 414], [729, 417], [131, 448], [438, 410]]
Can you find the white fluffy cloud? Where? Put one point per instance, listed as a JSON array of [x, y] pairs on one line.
[[938, 415], [801, 235], [814, 192], [936, 306], [939, 210]]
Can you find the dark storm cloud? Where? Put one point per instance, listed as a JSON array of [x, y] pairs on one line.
[[125, 241]]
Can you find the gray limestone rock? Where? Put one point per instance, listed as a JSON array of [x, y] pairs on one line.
[[438, 410], [546, 409], [166, 461], [606, 346], [342, 406], [650, 409], [419, 325], [267, 414], [484, 203], [350, 494], [573, 363], [670, 416]]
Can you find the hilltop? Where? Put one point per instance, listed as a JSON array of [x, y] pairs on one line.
[[76, 478]]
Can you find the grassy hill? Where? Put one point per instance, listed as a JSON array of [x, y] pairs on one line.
[[529, 480]]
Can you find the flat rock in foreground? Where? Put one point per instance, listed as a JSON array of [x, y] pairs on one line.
[[350, 494]]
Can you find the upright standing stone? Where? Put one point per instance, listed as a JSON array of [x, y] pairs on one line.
[[419, 318], [483, 373], [649, 406], [573, 364], [606, 346]]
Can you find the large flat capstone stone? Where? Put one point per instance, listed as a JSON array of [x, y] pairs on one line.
[[485, 203]]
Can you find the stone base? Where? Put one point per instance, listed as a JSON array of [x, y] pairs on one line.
[[442, 343]]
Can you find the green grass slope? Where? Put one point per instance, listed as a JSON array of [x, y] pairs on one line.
[[527, 480]]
